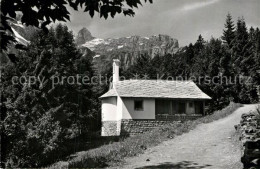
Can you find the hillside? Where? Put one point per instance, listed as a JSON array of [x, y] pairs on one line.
[[22, 34]]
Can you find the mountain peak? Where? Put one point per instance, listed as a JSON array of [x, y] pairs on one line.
[[83, 36], [126, 49]]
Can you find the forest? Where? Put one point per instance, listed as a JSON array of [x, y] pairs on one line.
[[42, 123], [226, 68]]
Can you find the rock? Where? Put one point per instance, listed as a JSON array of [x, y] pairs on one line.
[[143, 147], [170, 137], [83, 36], [147, 159], [250, 138], [126, 49]]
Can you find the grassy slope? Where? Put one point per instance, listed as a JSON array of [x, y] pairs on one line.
[[114, 153]]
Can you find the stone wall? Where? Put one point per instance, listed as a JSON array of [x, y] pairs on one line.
[[178, 117], [133, 127], [110, 128], [249, 131], [137, 126]]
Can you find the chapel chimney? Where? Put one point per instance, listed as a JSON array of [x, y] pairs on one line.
[[116, 64]]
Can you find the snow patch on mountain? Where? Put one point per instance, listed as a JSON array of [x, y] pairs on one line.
[[18, 24], [121, 46], [96, 56], [93, 43], [19, 38]]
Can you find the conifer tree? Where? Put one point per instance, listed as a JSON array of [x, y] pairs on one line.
[[200, 44], [42, 118], [229, 31], [241, 46]]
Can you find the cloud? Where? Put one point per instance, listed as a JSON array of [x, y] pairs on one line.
[[198, 5]]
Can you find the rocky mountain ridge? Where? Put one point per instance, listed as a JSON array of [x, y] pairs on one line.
[[127, 49]]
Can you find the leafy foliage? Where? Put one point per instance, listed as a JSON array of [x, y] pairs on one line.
[[42, 118]]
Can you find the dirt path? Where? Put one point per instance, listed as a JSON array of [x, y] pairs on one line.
[[211, 145]]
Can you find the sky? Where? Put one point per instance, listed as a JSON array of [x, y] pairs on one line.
[[181, 19]]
